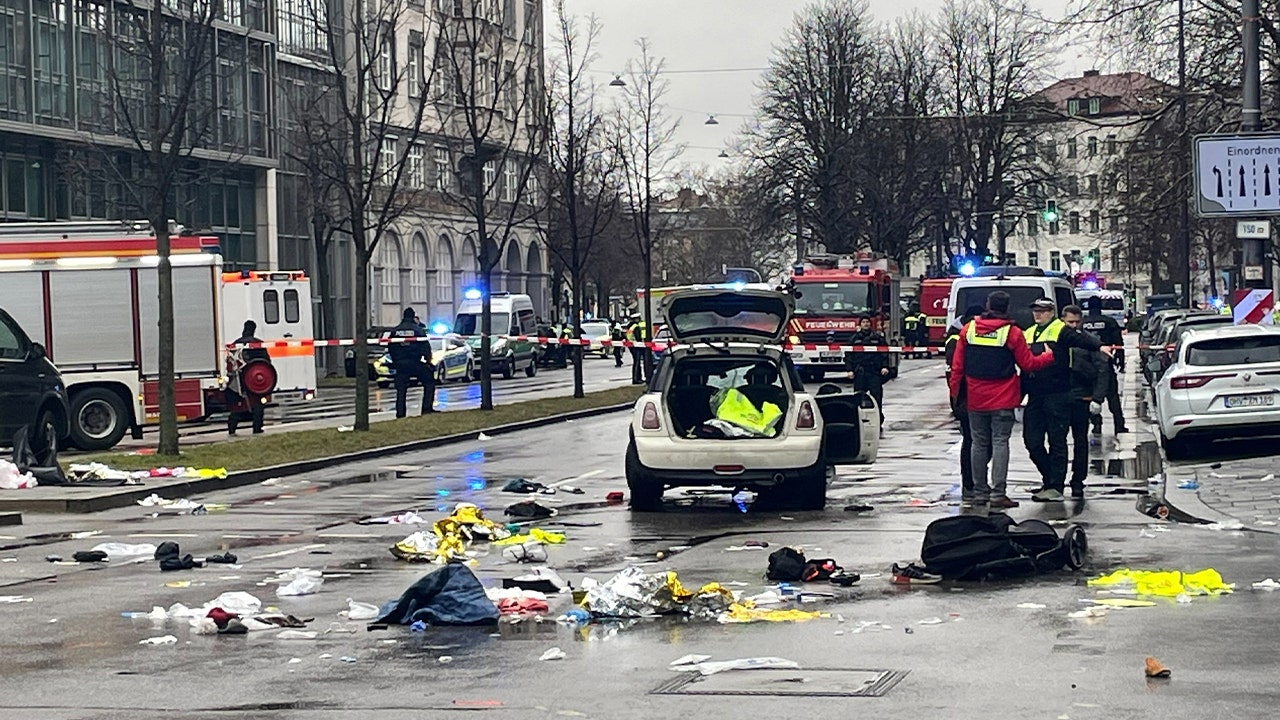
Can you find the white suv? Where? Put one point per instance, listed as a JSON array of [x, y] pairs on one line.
[[1223, 382], [733, 340]]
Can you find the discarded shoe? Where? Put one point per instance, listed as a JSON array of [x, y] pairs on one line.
[[90, 556], [224, 559], [1156, 669], [844, 578], [911, 574], [173, 562], [523, 486], [858, 507], [529, 509]]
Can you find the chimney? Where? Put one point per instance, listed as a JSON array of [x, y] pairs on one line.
[[1090, 73]]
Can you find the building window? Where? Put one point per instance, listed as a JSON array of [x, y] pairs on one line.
[[509, 18], [1055, 261], [417, 176], [1033, 259], [530, 21], [386, 67], [414, 65], [1073, 185], [441, 161], [1091, 184], [1073, 107], [1053, 227], [1033, 224], [509, 86], [1011, 258], [510, 180], [386, 168], [1115, 223], [1095, 106], [418, 271], [1071, 148], [1093, 146], [1095, 221], [1051, 149], [490, 176], [389, 269], [1112, 144], [1073, 222], [484, 74]]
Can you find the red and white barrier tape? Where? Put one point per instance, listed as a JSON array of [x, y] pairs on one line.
[[581, 343]]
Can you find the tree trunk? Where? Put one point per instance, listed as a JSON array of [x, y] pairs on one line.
[[486, 277], [165, 364], [647, 331], [361, 332], [575, 323], [324, 287]]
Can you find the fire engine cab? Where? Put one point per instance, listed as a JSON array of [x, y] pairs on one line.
[[832, 294]]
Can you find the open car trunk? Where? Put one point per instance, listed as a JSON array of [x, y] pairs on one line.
[[695, 381]]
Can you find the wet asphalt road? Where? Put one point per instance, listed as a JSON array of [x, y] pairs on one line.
[[987, 658]]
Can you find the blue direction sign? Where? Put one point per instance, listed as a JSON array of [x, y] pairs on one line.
[[1237, 175]]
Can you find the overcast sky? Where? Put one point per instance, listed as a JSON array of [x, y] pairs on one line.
[[718, 34]]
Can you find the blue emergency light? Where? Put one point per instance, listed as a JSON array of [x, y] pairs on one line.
[[472, 294], [967, 269], [440, 328]]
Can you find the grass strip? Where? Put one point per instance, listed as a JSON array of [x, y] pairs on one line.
[[278, 448]]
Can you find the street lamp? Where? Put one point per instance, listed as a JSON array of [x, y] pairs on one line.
[[723, 154], [617, 81], [711, 120]]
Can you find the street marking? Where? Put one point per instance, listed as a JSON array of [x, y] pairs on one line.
[[579, 478], [283, 553]]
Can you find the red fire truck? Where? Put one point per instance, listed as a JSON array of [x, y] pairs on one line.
[[832, 294], [935, 297]]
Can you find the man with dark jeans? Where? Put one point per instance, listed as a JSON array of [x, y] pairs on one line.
[[984, 370], [1048, 414], [960, 410], [1108, 331], [868, 369], [411, 358], [1089, 383]]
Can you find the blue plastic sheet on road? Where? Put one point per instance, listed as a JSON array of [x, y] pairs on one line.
[[451, 595]]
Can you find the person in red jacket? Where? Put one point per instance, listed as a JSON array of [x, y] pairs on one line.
[[984, 379]]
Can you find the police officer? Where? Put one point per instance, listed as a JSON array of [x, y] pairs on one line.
[[911, 327], [1048, 391], [635, 333], [253, 403], [1090, 377], [869, 369], [412, 360], [1108, 331], [617, 334]]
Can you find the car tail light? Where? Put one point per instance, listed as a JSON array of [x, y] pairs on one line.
[[728, 469], [804, 418], [649, 418], [1190, 382]]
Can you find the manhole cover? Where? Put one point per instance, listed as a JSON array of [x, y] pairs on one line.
[[812, 682]]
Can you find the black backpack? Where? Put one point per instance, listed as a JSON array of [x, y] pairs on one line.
[[786, 565]]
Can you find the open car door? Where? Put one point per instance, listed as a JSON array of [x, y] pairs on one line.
[[851, 428]]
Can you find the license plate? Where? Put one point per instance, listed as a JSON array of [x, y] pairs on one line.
[[1248, 401], [831, 356]]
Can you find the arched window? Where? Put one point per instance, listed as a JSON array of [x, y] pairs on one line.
[[389, 264], [470, 265], [515, 268], [418, 270], [444, 270], [535, 282]]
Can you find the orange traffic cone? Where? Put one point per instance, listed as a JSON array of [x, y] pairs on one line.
[[1155, 669]]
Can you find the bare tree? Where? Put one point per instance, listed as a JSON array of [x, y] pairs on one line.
[[991, 55], [365, 125], [584, 193], [644, 138], [490, 101], [160, 79]]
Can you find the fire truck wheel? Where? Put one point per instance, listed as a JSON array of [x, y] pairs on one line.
[[98, 419]]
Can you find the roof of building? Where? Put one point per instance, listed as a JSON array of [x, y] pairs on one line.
[[1124, 93]]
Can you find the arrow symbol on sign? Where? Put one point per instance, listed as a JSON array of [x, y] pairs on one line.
[[1218, 174], [1266, 179], [1241, 182]]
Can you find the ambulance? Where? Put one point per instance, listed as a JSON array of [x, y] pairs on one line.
[[280, 303]]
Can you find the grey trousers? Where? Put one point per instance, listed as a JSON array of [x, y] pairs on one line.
[[991, 431]]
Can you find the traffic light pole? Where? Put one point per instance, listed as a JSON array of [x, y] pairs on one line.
[[1253, 251]]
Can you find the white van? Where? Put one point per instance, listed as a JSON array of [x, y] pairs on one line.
[[280, 303], [1025, 285], [1113, 303], [512, 315]]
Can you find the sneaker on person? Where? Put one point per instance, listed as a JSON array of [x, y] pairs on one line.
[[910, 574], [1003, 503], [1047, 495]]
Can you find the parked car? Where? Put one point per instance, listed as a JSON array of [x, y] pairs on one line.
[[1161, 356], [375, 352], [511, 318], [451, 355], [733, 340], [1151, 329], [1223, 383], [32, 394], [596, 331]]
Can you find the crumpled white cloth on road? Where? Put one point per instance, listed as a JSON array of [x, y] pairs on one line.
[[11, 479]]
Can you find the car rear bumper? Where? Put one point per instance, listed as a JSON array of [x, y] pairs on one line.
[[1256, 422], [758, 457]]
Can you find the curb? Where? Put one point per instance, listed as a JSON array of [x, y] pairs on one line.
[[128, 495]]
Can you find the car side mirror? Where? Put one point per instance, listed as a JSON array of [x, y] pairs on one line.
[[38, 352]]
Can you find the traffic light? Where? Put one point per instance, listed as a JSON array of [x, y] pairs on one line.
[[1050, 212]]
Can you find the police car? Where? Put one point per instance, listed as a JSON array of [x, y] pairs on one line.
[[726, 408]]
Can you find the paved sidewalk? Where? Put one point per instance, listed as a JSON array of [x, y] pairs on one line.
[[1227, 491]]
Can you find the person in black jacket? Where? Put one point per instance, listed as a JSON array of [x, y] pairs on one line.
[[1109, 332], [1090, 379], [960, 410], [411, 360], [868, 369], [237, 396]]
